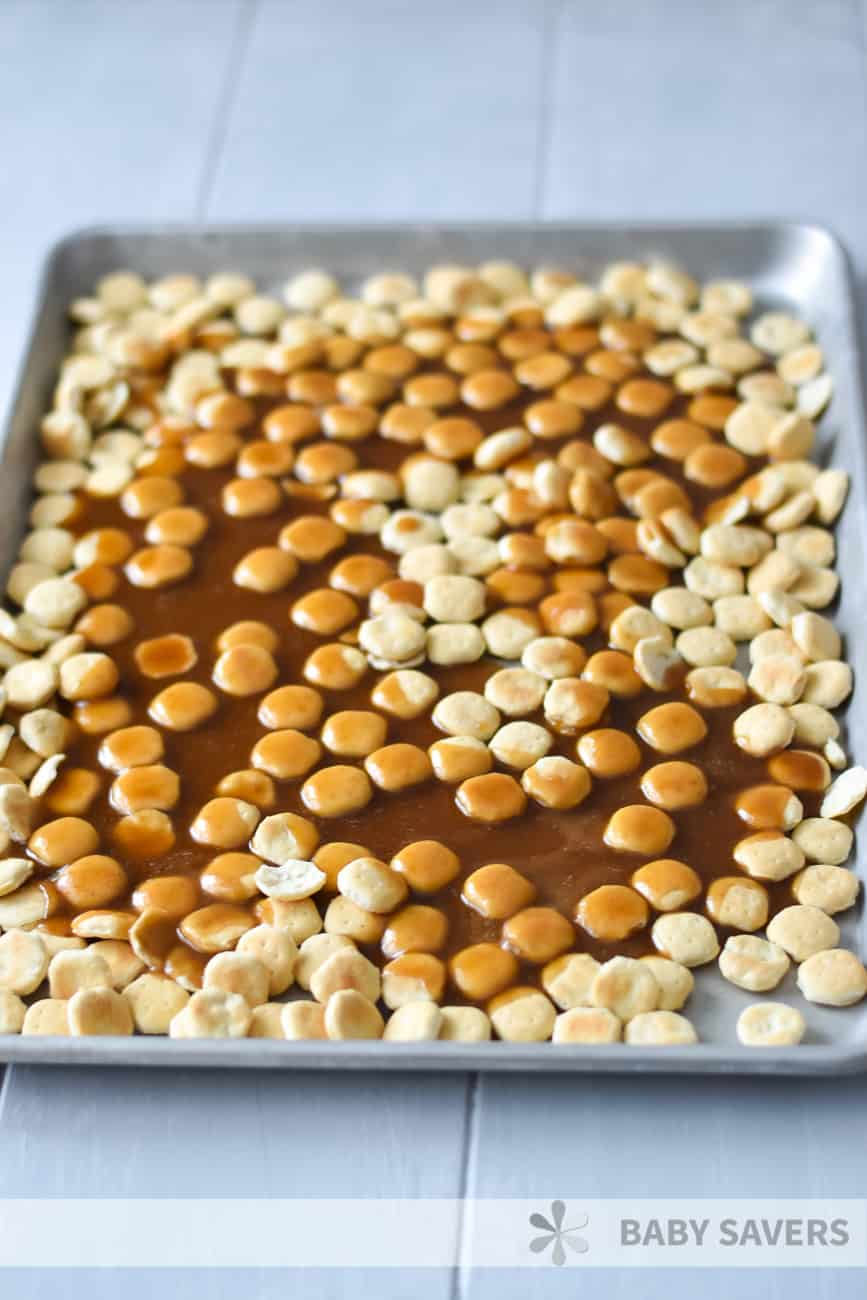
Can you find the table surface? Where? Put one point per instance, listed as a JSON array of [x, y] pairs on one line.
[[239, 110]]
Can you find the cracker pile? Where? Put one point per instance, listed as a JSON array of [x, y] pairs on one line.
[[499, 509]]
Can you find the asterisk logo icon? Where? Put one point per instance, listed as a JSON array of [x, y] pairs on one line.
[[556, 1235]]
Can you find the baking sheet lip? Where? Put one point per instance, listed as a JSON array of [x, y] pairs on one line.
[[811, 1059], [765, 224], [156, 1052]]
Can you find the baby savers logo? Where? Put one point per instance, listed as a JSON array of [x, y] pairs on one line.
[[555, 1236]]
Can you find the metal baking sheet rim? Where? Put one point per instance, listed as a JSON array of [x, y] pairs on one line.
[[19, 453]]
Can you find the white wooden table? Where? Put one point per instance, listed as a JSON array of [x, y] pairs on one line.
[[262, 109]]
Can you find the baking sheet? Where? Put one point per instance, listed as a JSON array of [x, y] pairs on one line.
[[799, 266]]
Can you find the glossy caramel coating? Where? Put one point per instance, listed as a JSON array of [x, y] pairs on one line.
[[243, 531]]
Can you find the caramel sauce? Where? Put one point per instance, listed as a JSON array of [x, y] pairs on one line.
[[562, 853]]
